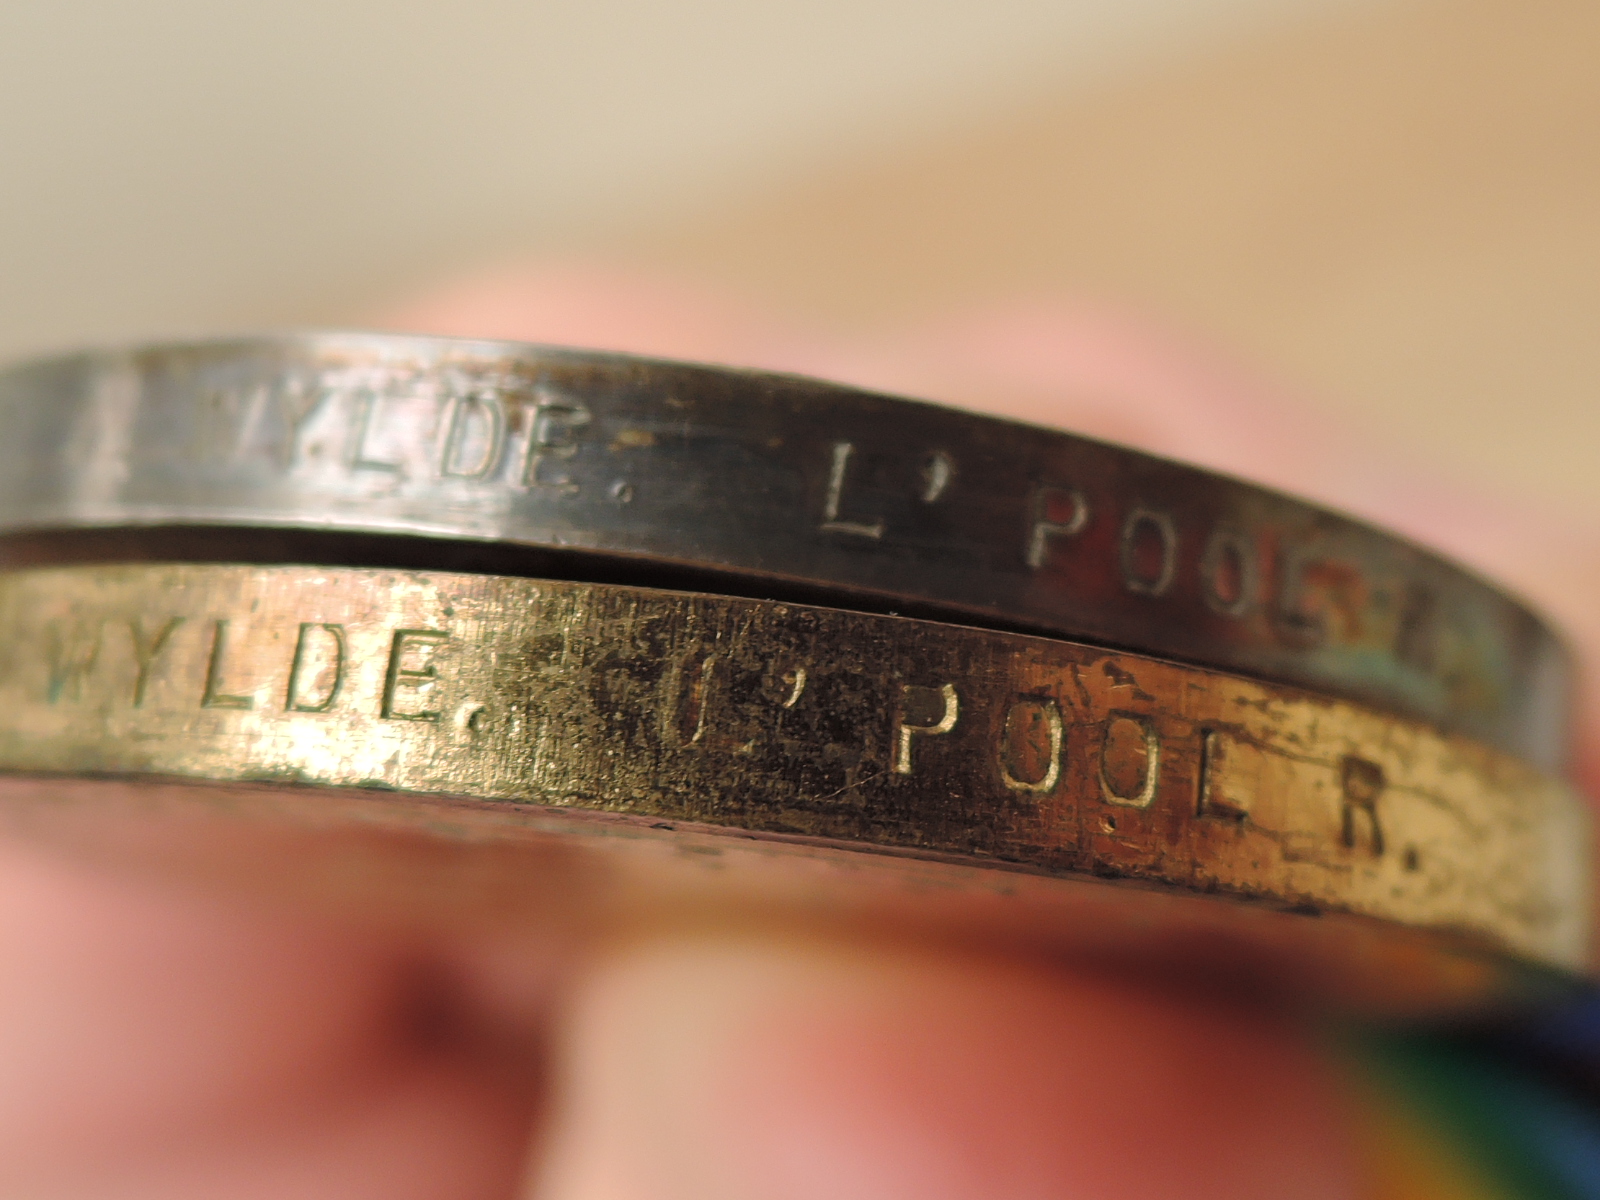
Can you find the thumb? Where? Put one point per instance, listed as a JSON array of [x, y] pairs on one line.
[[712, 1067]]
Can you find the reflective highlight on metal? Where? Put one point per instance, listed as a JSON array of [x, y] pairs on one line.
[[781, 482], [807, 724]]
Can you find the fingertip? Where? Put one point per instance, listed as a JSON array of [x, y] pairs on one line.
[[796, 1070]]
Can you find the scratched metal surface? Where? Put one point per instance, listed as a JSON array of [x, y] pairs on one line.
[[1038, 754], [780, 481]]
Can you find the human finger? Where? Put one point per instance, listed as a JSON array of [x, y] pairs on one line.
[[166, 1040]]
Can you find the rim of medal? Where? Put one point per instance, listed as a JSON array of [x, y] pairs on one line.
[[810, 725], [780, 486]]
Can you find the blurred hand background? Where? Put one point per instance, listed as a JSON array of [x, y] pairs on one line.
[[1036, 208], [1394, 204]]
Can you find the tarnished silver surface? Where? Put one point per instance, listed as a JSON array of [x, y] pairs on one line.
[[783, 482]]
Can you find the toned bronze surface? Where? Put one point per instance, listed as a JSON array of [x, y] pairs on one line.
[[782, 720], [787, 487]]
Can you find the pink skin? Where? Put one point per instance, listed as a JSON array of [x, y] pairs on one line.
[[157, 1040]]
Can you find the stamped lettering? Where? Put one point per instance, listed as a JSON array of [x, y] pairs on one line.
[[475, 436], [1030, 746], [688, 685], [363, 455], [299, 403], [1363, 783], [1130, 761], [291, 406], [923, 702], [216, 664], [552, 439], [1226, 791], [1057, 513], [146, 647], [71, 651], [820, 490], [233, 425], [833, 501], [411, 646], [836, 498], [817, 725], [937, 473], [1314, 589], [1148, 552], [1230, 576], [316, 674], [796, 679]]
